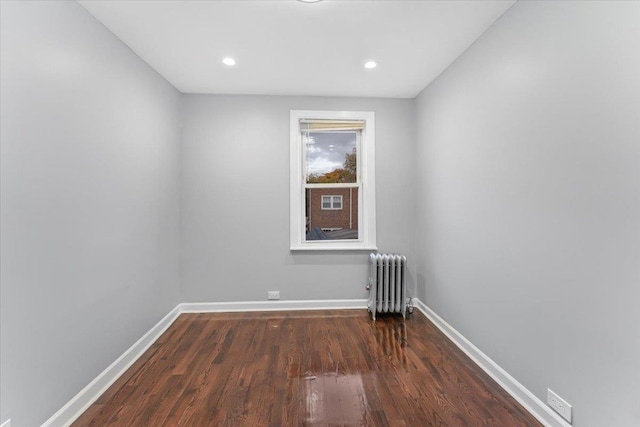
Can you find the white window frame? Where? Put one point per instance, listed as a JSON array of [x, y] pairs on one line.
[[366, 173], [332, 202]]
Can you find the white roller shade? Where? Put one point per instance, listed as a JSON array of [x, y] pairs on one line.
[[318, 125]]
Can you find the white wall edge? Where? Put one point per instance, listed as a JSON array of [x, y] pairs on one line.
[[81, 401], [221, 307], [6, 423], [520, 393]]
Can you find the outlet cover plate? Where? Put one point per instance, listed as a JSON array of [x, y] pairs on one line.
[[271, 295], [559, 405]]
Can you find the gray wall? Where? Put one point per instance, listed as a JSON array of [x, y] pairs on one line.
[[90, 158], [529, 201], [235, 199]]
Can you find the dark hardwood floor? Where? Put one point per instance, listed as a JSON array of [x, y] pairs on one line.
[[315, 368]]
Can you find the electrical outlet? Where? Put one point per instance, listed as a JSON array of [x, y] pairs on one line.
[[273, 295], [559, 405]]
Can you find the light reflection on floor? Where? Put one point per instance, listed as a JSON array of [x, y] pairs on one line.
[[335, 399], [392, 340], [339, 398]]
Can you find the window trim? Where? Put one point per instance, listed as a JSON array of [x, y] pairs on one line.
[[366, 171], [332, 202]]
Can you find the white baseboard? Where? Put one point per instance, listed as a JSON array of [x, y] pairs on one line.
[[6, 423], [528, 400], [81, 401], [220, 307]]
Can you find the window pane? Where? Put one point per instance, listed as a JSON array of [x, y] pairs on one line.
[[326, 202], [337, 220], [331, 157]]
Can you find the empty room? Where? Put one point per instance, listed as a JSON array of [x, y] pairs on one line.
[[319, 213]]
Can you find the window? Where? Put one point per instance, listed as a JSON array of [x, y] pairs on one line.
[[331, 203], [332, 180]]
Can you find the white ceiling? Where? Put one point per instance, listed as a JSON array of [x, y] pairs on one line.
[[286, 47]]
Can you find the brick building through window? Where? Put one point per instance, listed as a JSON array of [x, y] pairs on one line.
[[340, 216]]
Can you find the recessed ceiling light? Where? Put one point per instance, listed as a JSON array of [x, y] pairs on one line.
[[309, 1], [230, 62], [370, 65]]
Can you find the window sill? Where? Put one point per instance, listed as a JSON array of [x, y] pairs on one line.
[[333, 247]]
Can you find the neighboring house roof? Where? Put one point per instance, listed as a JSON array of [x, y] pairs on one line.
[[316, 233]]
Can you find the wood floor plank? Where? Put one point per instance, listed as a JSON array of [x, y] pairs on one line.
[[317, 368]]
